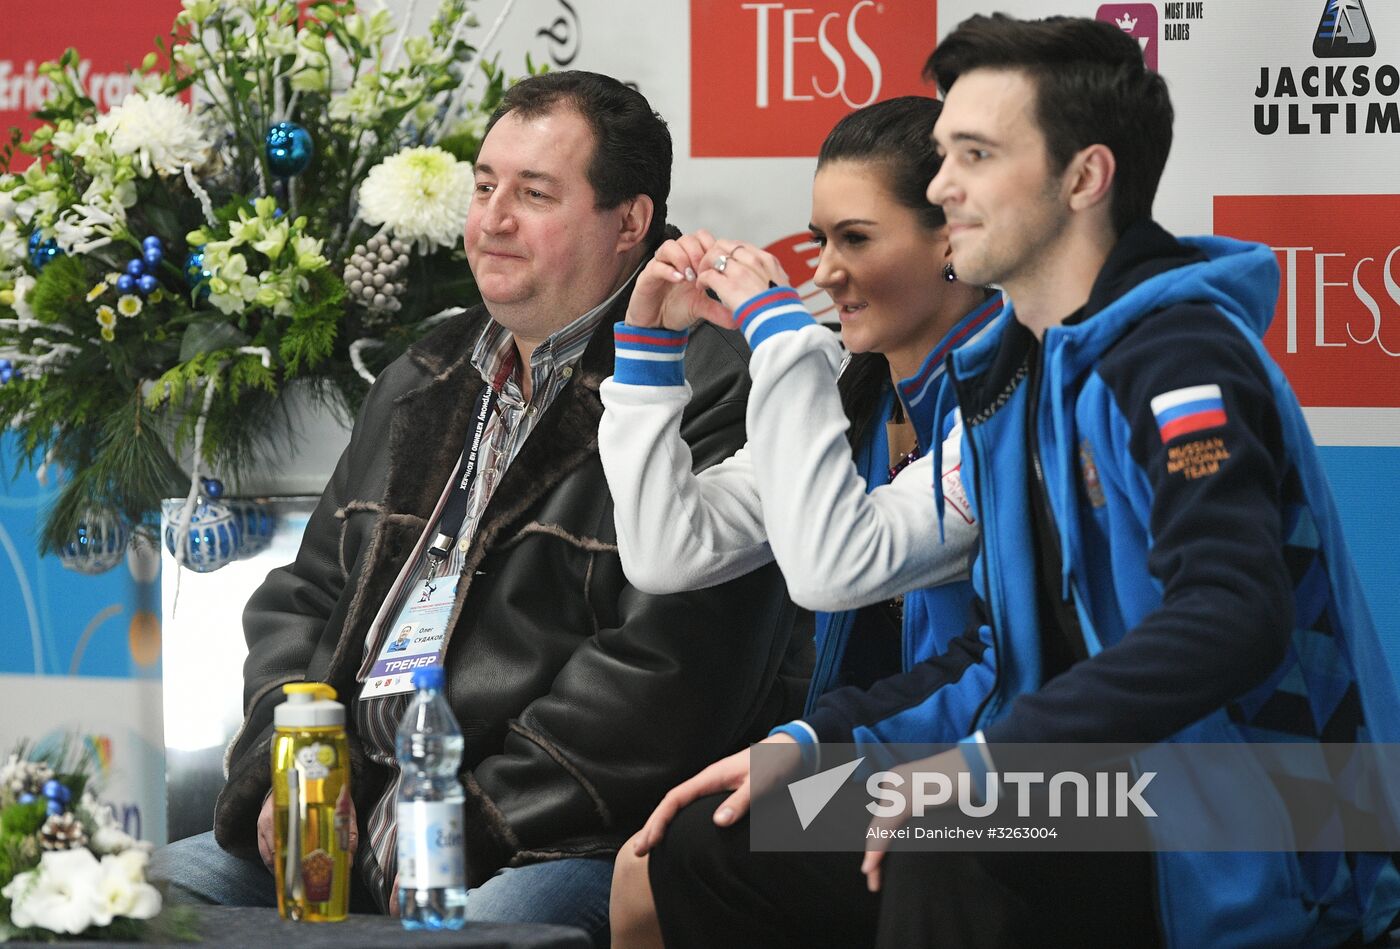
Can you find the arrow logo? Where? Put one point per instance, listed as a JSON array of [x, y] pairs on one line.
[[812, 794]]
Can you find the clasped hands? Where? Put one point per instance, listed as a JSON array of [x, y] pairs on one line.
[[670, 292]]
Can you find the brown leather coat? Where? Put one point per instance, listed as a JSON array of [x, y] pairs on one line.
[[582, 700]]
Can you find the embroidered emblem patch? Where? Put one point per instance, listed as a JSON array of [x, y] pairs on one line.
[[954, 496], [1192, 409], [1197, 459], [1092, 487]]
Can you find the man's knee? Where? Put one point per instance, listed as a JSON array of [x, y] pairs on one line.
[[570, 892], [197, 870]]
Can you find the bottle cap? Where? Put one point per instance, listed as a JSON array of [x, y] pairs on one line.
[[428, 677], [308, 705]]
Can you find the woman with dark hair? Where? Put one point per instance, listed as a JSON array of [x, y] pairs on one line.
[[835, 480]]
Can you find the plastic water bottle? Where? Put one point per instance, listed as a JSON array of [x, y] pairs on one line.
[[432, 861]]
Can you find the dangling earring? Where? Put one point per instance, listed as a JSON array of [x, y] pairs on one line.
[[948, 273]]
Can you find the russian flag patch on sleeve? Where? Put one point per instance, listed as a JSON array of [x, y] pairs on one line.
[[1192, 409]]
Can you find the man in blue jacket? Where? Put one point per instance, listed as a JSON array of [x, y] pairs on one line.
[[1160, 559]]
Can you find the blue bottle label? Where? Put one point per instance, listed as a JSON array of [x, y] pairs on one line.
[[431, 846]]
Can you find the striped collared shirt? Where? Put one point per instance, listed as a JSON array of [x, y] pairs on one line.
[[552, 365]]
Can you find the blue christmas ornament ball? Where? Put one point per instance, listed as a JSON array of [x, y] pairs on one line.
[[195, 272], [97, 545], [126, 283], [58, 795], [147, 284], [153, 243], [213, 539], [7, 371], [152, 256], [213, 488], [136, 266], [289, 149], [194, 267], [42, 251], [26, 798], [256, 522]]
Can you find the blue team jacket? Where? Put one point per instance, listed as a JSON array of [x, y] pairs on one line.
[[1200, 552]]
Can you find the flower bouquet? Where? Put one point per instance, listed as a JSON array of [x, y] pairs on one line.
[[66, 865], [279, 201]]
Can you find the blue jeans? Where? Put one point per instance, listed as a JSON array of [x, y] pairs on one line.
[[572, 892]]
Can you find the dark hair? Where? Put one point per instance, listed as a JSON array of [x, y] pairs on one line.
[[1092, 88], [895, 136], [632, 146]]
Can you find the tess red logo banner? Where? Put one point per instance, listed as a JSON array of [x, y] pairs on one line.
[[770, 79], [1336, 331], [111, 39]]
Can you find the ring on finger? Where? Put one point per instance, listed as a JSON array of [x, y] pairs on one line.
[[721, 262]]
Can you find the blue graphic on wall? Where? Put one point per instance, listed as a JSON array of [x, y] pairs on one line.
[[57, 621]]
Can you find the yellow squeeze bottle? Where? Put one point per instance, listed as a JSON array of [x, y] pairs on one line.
[[311, 804]]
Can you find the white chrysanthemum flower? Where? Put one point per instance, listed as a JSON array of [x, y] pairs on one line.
[[128, 304], [158, 131], [106, 316], [421, 195]]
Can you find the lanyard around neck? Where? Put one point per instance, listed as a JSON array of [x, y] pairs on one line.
[[450, 524]]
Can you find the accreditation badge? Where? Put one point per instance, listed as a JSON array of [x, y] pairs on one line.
[[415, 639]]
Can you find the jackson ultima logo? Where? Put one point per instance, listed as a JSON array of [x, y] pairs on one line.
[[1344, 30], [770, 78], [1323, 99], [1336, 330]]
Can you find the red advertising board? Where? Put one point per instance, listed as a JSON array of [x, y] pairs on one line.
[[1336, 331], [771, 78]]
